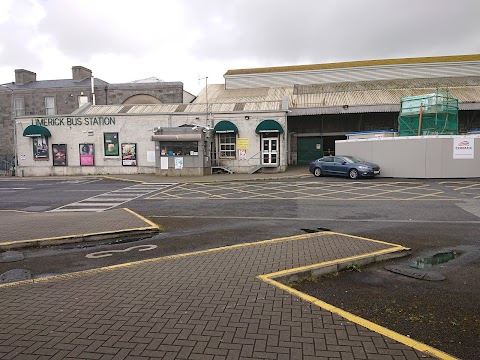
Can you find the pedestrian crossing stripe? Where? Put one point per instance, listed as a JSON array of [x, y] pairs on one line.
[[113, 198]]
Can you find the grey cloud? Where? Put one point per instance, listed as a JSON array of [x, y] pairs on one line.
[[80, 31], [283, 32]]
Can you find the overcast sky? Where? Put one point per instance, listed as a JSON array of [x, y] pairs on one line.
[[124, 40]]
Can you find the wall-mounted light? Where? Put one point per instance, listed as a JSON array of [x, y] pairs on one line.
[[345, 107], [247, 117]]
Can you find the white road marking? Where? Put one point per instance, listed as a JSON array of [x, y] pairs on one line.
[[107, 253], [114, 198]]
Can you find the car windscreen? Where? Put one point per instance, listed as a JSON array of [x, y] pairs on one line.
[[352, 159]]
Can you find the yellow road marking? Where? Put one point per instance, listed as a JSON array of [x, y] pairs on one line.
[[296, 191], [66, 237], [163, 258], [466, 187], [360, 321], [152, 224], [120, 179]]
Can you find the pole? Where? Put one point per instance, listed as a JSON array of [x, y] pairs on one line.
[[206, 97], [420, 121]]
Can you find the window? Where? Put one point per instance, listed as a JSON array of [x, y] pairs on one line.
[[227, 145], [82, 100], [172, 148], [50, 105], [19, 107]]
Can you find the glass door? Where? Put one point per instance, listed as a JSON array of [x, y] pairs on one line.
[[270, 151]]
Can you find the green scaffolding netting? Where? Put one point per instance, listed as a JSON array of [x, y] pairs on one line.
[[439, 114]]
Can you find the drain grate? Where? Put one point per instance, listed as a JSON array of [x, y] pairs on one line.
[[436, 259], [319, 229]]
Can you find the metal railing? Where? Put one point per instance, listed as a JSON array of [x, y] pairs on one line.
[[7, 168]]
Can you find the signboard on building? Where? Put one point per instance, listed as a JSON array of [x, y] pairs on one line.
[[463, 147], [242, 143]]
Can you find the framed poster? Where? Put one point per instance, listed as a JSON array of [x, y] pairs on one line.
[[129, 154], [110, 144], [87, 155], [59, 152], [40, 147]]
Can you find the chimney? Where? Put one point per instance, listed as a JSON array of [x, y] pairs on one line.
[[80, 73], [23, 76]]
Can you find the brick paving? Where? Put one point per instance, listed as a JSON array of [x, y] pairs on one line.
[[205, 305], [19, 228]]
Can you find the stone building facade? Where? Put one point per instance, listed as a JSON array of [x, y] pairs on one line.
[[28, 97]]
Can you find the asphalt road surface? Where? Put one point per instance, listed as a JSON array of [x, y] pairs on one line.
[[426, 215]]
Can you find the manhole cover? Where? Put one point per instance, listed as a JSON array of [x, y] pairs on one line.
[[417, 274], [15, 275]]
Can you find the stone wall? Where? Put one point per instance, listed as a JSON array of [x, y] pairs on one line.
[[6, 125]]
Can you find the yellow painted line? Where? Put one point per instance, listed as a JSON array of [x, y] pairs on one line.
[[120, 179], [360, 321], [333, 262], [162, 191], [310, 198], [151, 223], [427, 195], [297, 191], [466, 187], [163, 258], [72, 236], [66, 237]]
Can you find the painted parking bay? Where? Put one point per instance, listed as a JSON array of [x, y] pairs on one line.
[[306, 190]]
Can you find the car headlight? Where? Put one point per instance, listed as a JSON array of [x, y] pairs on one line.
[[362, 167]]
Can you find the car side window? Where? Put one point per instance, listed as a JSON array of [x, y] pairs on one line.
[[339, 159], [328, 159]]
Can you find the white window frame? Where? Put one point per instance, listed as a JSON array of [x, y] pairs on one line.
[[50, 105], [19, 106], [227, 145]]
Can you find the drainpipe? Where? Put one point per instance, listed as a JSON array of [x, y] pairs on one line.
[[106, 95], [92, 81]]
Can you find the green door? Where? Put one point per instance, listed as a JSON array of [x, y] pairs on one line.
[[309, 149]]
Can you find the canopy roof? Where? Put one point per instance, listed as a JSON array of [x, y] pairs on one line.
[[36, 130]]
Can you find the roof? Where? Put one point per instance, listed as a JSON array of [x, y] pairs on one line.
[[361, 63], [51, 84], [378, 96]]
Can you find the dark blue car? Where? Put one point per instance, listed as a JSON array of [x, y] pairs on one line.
[[344, 165]]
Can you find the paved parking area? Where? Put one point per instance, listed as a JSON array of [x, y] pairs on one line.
[[209, 304], [313, 190]]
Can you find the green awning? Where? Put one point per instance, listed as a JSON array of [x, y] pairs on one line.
[[269, 126], [225, 126], [36, 130]]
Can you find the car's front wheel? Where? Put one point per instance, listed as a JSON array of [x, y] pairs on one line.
[[353, 173], [317, 172]]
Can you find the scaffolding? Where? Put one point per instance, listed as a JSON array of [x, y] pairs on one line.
[[428, 114]]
